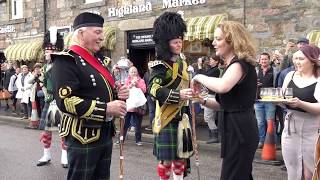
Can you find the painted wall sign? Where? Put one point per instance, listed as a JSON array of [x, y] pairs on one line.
[[135, 9], [140, 38], [7, 29], [129, 9], [179, 3]]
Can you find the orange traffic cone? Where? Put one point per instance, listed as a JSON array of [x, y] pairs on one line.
[[34, 119], [269, 147], [268, 154]]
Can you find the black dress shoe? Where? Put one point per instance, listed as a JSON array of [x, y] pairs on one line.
[[64, 165], [31, 127], [42, 163]]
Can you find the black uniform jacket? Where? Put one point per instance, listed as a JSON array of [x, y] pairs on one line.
[[81, 93]]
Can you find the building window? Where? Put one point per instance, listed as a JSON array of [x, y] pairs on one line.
[[17, 9], [92, 1]]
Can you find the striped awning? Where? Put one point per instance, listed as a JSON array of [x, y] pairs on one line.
[[109, 34], [314, 37], [31, 51], [67, 40], [202, 27]]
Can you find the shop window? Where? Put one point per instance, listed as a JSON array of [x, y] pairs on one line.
[[16, 9], [195, 49], [91, 1]]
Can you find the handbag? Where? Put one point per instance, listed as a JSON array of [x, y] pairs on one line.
[[141, 110], [5, 94], [184, 135], [136, 98]]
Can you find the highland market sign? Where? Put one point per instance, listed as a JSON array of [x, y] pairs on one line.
[[141, 8]]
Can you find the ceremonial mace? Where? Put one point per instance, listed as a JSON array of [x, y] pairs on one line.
[[194, 135], [123, 66]]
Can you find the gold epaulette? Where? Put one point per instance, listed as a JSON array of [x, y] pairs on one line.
[[154, 63]]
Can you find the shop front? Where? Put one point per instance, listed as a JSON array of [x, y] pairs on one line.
[[25, 52], [199, 36], [197, 41]]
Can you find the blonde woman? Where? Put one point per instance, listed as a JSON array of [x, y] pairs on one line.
[[302, 120], [236, 94], [133, 118]]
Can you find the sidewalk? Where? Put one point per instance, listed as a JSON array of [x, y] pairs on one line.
[[201, 133], [147, 136]]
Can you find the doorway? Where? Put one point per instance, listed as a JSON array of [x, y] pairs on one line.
[[140, 58]]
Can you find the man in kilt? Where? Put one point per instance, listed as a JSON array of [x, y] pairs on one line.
[[84, 92], [169, 86], [50, 115]]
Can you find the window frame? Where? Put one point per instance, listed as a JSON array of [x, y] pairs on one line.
[[17, 7], [91, 1]]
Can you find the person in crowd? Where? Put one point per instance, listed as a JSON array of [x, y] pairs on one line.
[[150, 100], [301, 122], [2, 60], [209, 113], [265, 111], [133, 118], [236, 94], [13, 89], [282, 74], [23, 93], [36, 94], [281, 111], [6, 80], [291, 47], [84, 91], [50, 116], [200, 65], [168, 85]]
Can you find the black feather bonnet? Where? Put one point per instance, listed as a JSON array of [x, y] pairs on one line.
[[50, 44], [168, 26]]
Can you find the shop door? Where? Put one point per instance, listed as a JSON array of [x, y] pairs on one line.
[[140, 58]]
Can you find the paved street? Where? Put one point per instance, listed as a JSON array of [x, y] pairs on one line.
[[20, 149]]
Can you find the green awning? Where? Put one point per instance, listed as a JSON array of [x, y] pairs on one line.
[[109, 34], [314, 37], [202, 27], [24, 51]]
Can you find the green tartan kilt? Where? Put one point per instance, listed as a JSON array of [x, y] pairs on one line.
[[165, 146]]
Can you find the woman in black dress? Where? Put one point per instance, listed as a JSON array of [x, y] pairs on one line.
[[236, 94]]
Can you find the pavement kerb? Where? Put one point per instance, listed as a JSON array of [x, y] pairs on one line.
[[145, 136], [201, 144], [149, 138], [14, 120]]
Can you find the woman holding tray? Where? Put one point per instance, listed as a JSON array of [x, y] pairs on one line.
[[302, 120]]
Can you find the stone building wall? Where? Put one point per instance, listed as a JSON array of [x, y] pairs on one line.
[[272, 22]]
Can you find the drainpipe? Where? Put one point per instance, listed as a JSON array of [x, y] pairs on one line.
[[45, 15], [244, 13]]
